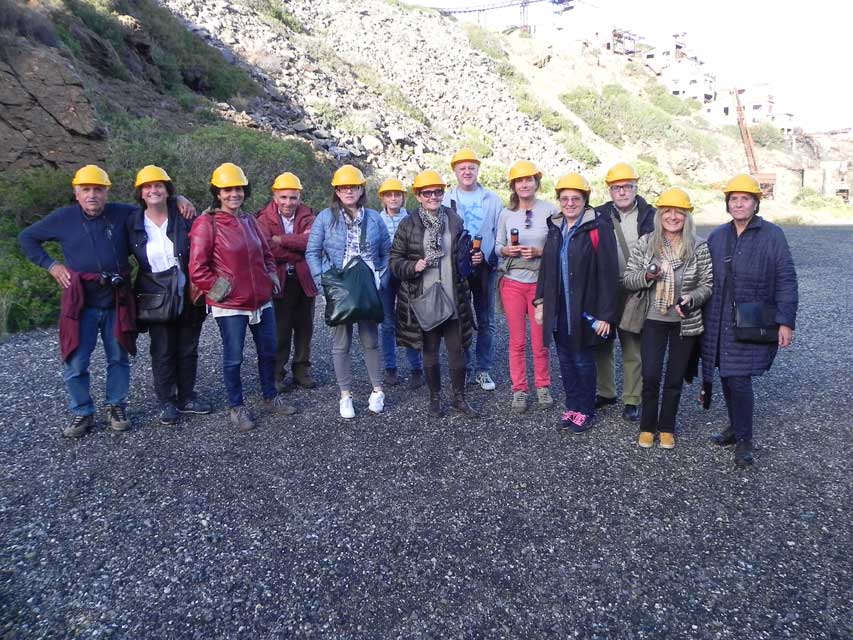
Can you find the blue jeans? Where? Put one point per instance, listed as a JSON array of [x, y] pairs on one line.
[[76, 369], [233, 332], [577, 367], [483, 283], [388, 328]]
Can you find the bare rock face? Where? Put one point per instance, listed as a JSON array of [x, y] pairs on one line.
[[45, 116]]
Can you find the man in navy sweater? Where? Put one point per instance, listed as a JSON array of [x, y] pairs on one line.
[[96, 294]]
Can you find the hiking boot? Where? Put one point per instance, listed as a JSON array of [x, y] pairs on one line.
[[305, 380], [543, 396], [241, 418], [391, 378], [646, 439], [743, 454], [725, 438], [519, 401], [118, 418], [169, 413], [416, 381], [667, 440], [79, 426], [602, 401], [376, 402], [485, 381], [631, 413], [279, 405], [195, 405]]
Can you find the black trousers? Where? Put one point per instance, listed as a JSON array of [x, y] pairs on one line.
[[294, 321], [451, 331], [740, 403], [657, 336], [174, 356]]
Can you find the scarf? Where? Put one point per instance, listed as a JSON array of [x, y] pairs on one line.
[[665, 289], [434, 226]]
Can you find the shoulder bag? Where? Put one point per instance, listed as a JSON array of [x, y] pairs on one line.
[[433, 306], [754, 321]]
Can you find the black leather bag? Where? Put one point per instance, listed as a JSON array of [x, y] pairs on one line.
[[351, 294], [755, 322], [159, 296]]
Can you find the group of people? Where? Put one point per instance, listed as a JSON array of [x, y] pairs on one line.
[[561, 270]]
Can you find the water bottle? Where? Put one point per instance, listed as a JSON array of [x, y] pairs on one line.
[[594, 323]]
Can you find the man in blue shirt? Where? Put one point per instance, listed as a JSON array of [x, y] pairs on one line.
[[480, 210]]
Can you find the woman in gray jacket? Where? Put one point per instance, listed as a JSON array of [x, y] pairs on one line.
[[670, 269]]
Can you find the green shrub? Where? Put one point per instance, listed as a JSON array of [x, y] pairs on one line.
[[661, 97], [768, 136], [486, 41], [275, 11], [653, 181], [479, 142], [22, 21], [811, 199], [577, 149]]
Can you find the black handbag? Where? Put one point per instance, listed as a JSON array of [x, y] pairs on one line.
[[160, 299], [351, 293], [756, 322]]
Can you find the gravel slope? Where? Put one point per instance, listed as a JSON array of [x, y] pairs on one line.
[[399, 526]]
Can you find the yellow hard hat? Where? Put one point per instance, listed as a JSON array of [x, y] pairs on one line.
[[464, 155], [391, 184], [621, 171], [228, 175], [348, 175], [428, 178], [744, 183], [523, 169], [674, 197], [151, 173], [286, 180], [91, 174], [573, 181]]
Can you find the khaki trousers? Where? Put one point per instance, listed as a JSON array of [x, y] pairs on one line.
[[632, 374]]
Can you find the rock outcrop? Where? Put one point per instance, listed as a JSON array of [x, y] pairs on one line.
[[46, 118]]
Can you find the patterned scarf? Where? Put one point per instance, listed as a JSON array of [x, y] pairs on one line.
[[665, 289], [434, 225]]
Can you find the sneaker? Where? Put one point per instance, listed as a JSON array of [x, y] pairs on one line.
[[567, 420], [519, 401], [581, 422], [485, 381], [743, 454], [79, 426], [631, 413], [195, 405], [376, 402], [279, 405], [169, 413], [241, 418], [416, 381], [667, 440], [118, 418], [347, 410], [391, 378], [646, 439], [543, 395]]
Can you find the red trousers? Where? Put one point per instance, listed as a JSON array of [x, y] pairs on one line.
[[517, 299]]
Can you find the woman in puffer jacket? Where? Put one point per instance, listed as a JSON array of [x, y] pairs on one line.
[[670, 269]]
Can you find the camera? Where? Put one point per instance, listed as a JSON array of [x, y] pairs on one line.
[[114, 280]]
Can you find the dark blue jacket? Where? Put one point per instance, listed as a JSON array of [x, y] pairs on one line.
[[89, 245], [645, 215], [764, 272]]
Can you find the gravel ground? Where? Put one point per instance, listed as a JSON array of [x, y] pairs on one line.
[[401, 526]]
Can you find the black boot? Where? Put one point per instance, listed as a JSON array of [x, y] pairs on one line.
[[743, 454], [433, 380], [725, 438], [460, 404]]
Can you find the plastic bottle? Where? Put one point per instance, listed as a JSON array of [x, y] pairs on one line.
[[594, 323]]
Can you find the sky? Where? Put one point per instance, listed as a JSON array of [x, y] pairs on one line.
[[803, 50]]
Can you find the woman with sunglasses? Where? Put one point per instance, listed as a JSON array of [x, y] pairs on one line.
[[340, 233], [522, 231], [427, 249]]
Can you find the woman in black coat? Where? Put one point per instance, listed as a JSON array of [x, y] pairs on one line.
[[752, 264], [578, 277], [159, 240], [429, 247]]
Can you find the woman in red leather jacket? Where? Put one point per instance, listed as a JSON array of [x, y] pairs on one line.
[[232, 264]]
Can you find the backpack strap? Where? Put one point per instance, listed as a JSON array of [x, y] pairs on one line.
[[593, 236]]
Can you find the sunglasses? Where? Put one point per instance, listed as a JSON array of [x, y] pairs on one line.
[[528, 218], [431, 193]]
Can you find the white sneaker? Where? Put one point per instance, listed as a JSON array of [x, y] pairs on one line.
[[376, 402], [485, 381], [346, 408]]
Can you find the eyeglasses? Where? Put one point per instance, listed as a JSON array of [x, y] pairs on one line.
[[348, 188], [528, 218], [622, 187], [431, 193], [570, 199]]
